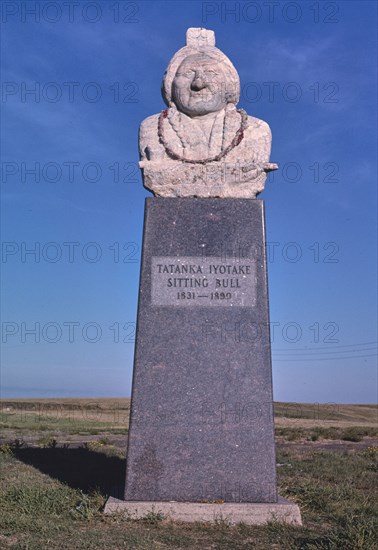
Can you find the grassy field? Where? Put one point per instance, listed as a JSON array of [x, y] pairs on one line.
[[59, 459]]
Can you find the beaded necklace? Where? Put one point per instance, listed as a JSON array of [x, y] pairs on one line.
[[237, 139]]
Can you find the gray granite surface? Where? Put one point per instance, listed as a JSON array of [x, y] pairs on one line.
[[201, 416]]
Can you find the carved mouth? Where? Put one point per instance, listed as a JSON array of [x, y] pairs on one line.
[[204, 95]]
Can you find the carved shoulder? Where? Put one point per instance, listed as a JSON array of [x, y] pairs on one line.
[[148, 137], [258, 138], [259, 126]]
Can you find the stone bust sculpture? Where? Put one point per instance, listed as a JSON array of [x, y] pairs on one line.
[[202, 145]]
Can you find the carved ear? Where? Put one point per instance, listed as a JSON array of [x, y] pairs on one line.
[[230, 97]]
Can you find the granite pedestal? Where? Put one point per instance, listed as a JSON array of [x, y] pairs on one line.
[[201, 426]]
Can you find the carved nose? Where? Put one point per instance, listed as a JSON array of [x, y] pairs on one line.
[[198, 84]]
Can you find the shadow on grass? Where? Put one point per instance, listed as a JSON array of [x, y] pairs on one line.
[[80, 468]]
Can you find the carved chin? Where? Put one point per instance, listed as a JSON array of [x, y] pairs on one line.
[[200, 107]]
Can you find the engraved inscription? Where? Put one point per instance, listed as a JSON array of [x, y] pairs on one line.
[[203, 282]]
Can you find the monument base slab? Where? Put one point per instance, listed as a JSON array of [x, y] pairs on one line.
[[282, 511]]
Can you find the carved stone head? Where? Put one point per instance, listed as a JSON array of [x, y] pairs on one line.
[[200, 78]]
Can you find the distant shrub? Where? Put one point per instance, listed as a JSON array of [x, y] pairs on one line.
[[6, 450], [352, 434]]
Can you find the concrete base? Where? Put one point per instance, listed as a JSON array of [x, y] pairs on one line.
[[249, 513]]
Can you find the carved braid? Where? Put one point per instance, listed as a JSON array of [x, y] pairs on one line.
[[176, 128]]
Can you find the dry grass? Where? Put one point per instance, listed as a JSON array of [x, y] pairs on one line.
[[52, 493], [327, 415], [52, 498], [67, 415]]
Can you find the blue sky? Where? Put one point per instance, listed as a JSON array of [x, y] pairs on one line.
[[307, 68]]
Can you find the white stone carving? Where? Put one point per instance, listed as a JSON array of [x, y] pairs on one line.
[[202, 145]]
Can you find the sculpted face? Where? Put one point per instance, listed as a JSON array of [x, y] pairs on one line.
[[199, 86]]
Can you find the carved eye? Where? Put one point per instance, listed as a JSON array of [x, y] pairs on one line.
[[188, 74], [210, 74]]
